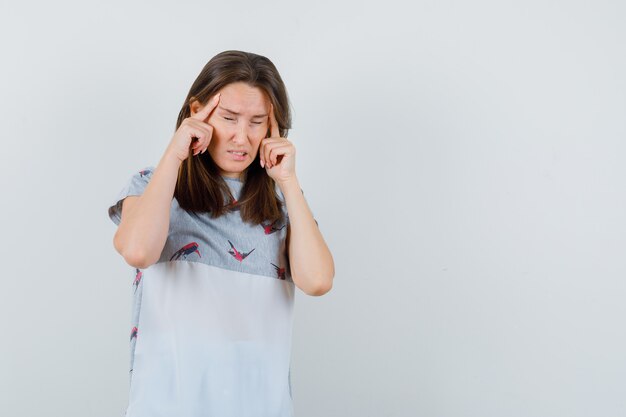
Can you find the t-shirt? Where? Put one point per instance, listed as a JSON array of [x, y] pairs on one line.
[[212, 319]]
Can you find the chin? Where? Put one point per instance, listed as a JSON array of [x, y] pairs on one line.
[[230, 167]]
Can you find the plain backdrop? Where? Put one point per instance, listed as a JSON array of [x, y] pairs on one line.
[[464, 160]]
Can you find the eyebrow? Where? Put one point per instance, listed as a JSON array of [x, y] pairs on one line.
[[237, 114]]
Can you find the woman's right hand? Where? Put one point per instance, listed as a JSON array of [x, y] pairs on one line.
[[194, 133]]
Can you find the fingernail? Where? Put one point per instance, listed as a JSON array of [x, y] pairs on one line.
[[262, 164]]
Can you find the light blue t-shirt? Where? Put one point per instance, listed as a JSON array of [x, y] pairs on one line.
[[212, 318]]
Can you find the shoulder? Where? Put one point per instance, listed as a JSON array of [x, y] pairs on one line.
[[134, 186]]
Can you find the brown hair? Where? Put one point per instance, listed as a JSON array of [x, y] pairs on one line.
[[200, 187]]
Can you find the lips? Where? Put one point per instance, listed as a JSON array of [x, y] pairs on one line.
[[238, 156]]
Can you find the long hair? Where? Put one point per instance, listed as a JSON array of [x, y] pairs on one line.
[[200, 187]]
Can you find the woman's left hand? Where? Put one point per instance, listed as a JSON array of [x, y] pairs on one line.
[[277, 154]]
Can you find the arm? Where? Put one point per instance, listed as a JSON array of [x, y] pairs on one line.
[[143, 230], [312, 265]]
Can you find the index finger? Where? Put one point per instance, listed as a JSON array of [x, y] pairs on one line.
[[205, 112], [273, 123]]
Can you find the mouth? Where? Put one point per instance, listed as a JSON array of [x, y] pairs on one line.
[[238, 155]]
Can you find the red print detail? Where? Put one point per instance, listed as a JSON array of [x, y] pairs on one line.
[[133, 333], [186, 250], [270, 228], [138, 276], [280, 272], [234, 206], [240, 256]]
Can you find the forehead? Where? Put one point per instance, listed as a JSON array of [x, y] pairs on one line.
[[244, 99]]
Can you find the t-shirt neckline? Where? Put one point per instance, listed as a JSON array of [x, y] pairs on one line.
[[232, 179]]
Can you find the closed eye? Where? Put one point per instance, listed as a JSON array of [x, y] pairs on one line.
[[256, 123]]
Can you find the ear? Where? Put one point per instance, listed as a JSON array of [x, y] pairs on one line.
[[194, 105]]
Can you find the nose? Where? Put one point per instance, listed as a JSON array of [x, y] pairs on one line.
[[240, 135]]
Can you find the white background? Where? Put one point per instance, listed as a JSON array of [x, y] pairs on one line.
[[464, 160]]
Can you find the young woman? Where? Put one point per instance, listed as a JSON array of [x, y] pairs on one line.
[[219, 233]]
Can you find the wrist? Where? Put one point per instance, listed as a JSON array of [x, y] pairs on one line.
[[170, 156], [289, 184]]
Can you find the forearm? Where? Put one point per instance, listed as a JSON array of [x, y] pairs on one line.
[[144, 230], [312, 265]]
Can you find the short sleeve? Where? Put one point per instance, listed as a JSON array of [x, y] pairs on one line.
[[135, 185]]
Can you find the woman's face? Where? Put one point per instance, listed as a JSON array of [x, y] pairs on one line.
[[240, 122]]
